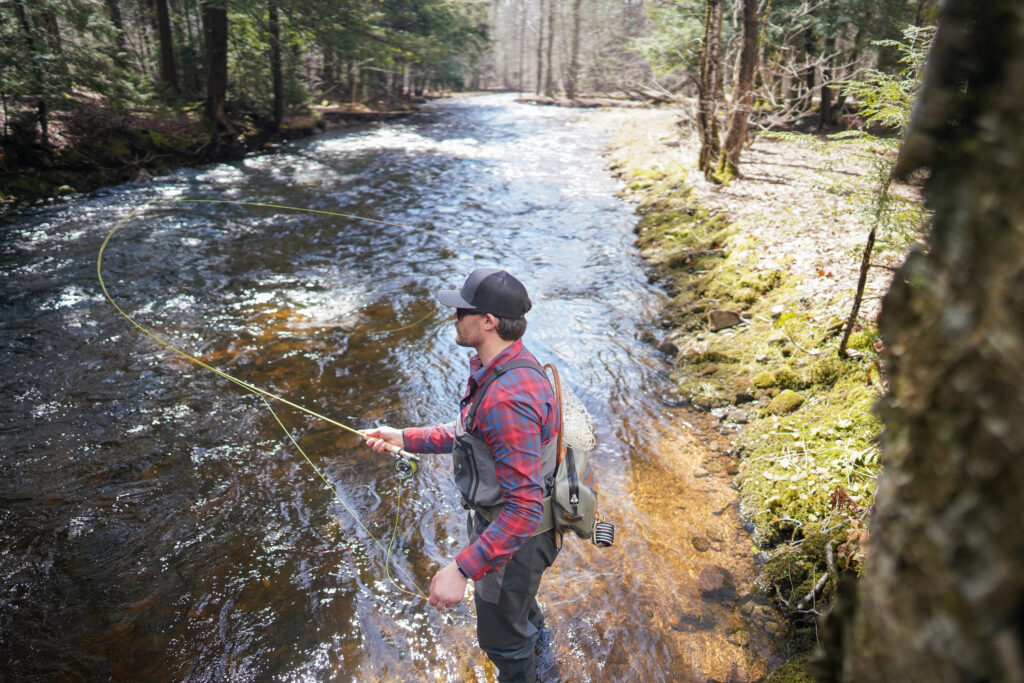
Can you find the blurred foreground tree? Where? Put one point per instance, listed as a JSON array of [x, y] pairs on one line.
[[943, 594]]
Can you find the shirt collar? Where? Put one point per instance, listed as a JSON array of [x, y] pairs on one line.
[[478, 372]]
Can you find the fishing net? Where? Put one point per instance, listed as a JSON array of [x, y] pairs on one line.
[[577, 428]]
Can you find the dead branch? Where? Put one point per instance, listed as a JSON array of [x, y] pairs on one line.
[[810, 597]]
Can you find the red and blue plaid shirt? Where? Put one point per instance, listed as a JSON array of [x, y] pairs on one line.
[[517, 415]]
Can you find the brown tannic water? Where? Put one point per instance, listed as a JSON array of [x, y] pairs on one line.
[[157, 524]]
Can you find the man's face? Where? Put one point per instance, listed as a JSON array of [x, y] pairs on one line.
[[469, 328]]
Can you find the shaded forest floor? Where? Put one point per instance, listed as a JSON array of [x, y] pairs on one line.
[[761, 275]]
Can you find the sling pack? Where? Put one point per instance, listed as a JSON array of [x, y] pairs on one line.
[[571, 500]]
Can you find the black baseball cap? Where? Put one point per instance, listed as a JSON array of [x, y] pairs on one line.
[[489, 290]]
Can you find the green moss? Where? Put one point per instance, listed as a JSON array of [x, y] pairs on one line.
[[786, 402], [793, 671], [864, 340], [825, 371], [783, 377], [792, 461]]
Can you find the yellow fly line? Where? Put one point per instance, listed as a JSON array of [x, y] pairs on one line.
[[410, 461]]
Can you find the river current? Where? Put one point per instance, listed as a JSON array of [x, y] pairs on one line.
[[156, 523]]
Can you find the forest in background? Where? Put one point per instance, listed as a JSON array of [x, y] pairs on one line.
[[246, 64]]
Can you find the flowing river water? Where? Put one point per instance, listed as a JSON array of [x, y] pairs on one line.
[[156, 523]]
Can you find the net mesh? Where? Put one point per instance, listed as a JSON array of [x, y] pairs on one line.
[[577, 428]]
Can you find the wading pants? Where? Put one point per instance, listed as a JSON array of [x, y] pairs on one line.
[[508, 618]]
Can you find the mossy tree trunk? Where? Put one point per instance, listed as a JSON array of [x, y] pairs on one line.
[[742, 95], [943, 595], [709, 88]]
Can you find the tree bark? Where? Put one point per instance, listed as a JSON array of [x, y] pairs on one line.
[[116, 18], [825, 107], [215, 28], [540, 48], [742, 95], [926, 11], [522, 46], [573, 80], [42, 106], [549, 82], [709, 88], [168, 71], [276, 69], [943, 594]]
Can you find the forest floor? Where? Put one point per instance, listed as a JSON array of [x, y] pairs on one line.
[[762, 273]]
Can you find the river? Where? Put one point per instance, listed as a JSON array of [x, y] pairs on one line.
[[158, 524]]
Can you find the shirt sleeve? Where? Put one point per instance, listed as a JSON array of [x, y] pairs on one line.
[[436, 439], [512, 429]]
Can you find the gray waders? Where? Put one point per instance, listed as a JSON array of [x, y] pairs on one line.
[[508, 615]]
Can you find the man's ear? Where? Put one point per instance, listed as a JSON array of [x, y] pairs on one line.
[[490, 322]]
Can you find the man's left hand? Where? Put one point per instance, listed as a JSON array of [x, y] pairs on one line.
[[447, 588]]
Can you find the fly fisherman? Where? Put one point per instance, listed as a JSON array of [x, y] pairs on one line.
[[503, 445]]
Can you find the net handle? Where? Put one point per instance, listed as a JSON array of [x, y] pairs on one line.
[[558, 397]]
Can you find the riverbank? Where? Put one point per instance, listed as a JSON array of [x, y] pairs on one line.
[[91, 147], [761, 275]]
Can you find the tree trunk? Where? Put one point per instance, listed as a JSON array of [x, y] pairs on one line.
[[276, 70], [192, 76], [572, 82], [742, 95], [826, 99], [709, 88], [943, 594], [168, 72], [549, 82], [215, 28], [522, 46], [42, 107], [926, 12], [114, 10], [540, 48]]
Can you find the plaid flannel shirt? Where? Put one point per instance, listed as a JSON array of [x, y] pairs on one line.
[[517, 415]]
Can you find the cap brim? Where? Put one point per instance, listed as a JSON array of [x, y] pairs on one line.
[[452, 299]]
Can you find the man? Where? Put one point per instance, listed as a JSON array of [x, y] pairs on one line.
[[503, 446]]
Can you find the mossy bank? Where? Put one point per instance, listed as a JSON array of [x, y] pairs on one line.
[[98, 149], [748, 345]]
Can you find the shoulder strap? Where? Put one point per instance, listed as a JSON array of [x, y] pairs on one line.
[[499, 370]]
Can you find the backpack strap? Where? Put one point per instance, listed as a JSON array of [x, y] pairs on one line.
[[499, 370]]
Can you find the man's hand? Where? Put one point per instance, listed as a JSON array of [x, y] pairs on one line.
[[379, 438], [447, 588]]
